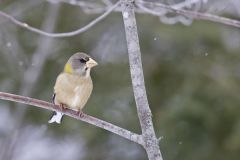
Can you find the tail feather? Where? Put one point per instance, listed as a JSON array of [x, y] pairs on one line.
[[57, 117]]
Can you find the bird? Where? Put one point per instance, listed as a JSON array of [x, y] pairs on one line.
[[73, 86]]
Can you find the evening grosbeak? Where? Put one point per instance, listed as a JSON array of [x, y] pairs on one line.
[[74, 85]]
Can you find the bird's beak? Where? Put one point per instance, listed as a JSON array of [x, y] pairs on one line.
[[91, 63]]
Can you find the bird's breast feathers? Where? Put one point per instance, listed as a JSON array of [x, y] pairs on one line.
[[73, 90]]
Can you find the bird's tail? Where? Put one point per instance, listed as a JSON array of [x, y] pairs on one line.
[[57, 117]]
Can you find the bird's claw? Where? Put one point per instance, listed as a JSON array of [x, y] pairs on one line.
[[62, 106], [80, 114]]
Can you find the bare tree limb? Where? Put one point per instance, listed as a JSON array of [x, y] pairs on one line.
[[144, 112], [190, 14], [164, 18], [74, 114], [57, 35], [161, 9]]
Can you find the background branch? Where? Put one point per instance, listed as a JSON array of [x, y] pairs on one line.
[[29, 76], [74, 114], [159, 9], [58, 35], [190, 14]]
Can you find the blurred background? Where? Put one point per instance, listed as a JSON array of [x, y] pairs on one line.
[[192, 75]]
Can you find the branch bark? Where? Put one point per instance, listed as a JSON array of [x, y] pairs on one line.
[[71, 113], [144, 112]]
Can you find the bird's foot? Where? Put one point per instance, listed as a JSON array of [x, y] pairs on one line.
[[80, 114], [62, 106]]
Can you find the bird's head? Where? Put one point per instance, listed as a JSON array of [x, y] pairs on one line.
[[80, 63]]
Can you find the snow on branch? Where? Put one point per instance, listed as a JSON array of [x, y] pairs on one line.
[[74, 114], [57, 35]]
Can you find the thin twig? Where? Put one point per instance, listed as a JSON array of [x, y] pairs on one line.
[[65, 34], [74, 114], [191, 14], [87, 7]]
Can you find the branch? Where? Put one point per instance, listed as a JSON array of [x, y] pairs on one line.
[[190, 14], [74, 114], [144, 112], [90, 7], [57, 35]]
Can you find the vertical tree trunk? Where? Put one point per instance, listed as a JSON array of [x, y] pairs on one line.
[[144, 112]]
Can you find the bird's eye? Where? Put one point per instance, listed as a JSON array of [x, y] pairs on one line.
[[82, 60]]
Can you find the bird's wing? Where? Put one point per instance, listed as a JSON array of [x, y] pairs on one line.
[[53, 98]]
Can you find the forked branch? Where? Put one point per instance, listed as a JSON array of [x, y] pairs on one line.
[[144, 113]]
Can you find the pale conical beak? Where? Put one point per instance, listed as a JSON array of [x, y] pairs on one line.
[[91, 63]]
